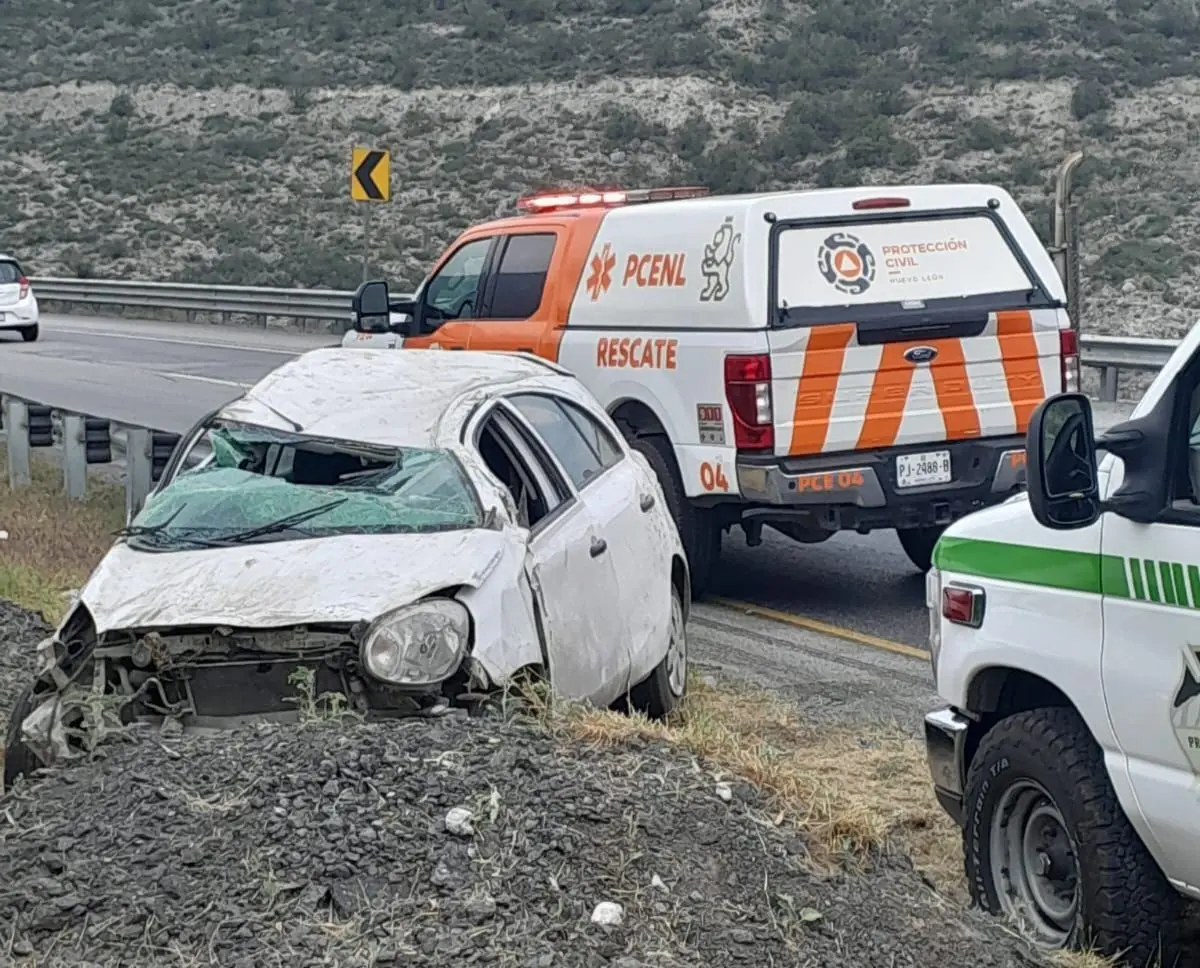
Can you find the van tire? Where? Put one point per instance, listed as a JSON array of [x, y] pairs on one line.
[[697, 526], [918, 544], [1124, 902]]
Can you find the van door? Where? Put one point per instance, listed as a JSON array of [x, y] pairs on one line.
[[512, 317], [449, 301], [894, 330]]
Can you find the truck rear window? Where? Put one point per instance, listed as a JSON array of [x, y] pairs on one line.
[[823, 273]]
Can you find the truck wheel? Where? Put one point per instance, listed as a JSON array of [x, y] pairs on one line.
[[918, 544], [1047, 843], [697, 526], [19, 759]]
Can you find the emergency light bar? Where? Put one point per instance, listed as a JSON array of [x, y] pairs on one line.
[[596, 198]]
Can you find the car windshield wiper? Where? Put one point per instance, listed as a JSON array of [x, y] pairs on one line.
[[145, 530], [282, 524]]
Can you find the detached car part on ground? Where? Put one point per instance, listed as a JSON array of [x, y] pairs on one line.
[[391, 534], [1065, 636]]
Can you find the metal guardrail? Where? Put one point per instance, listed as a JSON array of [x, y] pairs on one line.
[[326, 304], [1109, 354]]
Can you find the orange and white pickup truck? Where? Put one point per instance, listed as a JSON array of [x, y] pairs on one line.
[[812, 361]]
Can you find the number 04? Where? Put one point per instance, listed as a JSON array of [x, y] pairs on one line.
[[712, 477]]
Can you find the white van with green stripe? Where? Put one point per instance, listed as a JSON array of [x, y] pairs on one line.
[[1065, 640]]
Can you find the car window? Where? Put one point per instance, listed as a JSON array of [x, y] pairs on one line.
[[598, 437], [521, 277], [535, 486], [582, 461], [453, 292], [10, 272], [254, 484]]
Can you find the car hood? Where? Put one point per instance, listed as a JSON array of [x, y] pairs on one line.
[[338, 579]]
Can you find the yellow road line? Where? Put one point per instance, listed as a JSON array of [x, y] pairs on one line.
[[815, 625]]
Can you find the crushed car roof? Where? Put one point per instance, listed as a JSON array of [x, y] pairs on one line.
[[394, 398]]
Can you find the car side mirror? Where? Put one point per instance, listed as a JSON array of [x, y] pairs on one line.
[[1062, 476], [369, 308]]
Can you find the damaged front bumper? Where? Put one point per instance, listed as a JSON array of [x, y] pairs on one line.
[[90, 687]]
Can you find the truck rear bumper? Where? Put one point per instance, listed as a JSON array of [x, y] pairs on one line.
[[859, 490]]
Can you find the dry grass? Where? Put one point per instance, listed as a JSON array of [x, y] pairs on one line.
[[855, 791], [53, 543]]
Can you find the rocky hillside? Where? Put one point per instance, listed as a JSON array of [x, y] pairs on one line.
[[210, 139]]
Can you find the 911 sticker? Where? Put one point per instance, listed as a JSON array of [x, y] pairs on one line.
[[710, 421]]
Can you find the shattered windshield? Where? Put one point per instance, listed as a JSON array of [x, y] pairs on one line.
[[253, 484]]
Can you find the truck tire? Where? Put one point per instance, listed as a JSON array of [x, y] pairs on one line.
[[1038, 788], [697, 526], [918, 544], [19, 759]]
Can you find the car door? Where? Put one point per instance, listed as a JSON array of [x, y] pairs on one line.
[[572, 576], [449, 301], [614, 490], [1151, 660]]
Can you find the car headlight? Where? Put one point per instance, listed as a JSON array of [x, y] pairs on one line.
[[418, 645], [933, 603]]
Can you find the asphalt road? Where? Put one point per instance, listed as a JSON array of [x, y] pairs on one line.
[[169, 373]]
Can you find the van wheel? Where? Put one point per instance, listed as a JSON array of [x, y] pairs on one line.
[[697, 526], [19, 759], [918, 544], [29, 333], [1047, 843]]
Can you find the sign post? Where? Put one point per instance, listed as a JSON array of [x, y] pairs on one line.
[[370, 181]]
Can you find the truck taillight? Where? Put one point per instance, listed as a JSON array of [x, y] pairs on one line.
[[23, 291], [748, 390], [1068, 348]]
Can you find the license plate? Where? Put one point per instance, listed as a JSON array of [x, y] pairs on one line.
[[920, 470]]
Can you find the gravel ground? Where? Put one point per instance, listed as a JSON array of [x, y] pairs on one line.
[[435, 843]]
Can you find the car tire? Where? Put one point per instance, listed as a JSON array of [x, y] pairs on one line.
[[1042, 772], [29, 333], [658, 694], [19, 759], [918, 544], [697, 526]]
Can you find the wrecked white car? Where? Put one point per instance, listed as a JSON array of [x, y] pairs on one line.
[[404, 532]]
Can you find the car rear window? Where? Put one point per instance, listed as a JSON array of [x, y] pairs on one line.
[[868, 268], [9, 272]]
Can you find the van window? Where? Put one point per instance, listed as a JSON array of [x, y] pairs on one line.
[[900, 264], [521, 277]]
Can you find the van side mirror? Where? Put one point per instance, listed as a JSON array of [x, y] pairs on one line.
[[369, 307], [1062, 476]]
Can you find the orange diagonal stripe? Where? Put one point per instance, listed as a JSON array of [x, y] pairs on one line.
[[889, 396], [823, 359], [953, 389], [1019, 356]]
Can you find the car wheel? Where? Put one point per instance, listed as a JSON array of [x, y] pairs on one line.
[[697, 526], [918, 544], [19, 759], [1048, 845], [659, 694], [29, 333]]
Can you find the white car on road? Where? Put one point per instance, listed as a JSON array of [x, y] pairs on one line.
[[406, 531], [18, 304]]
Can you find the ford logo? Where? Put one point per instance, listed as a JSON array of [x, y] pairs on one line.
[[920, 354]]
